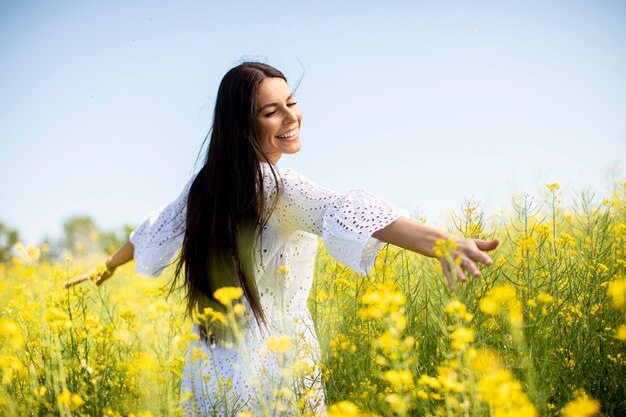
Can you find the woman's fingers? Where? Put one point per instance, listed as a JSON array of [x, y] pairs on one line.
[[447, 272], [486, 245], [99, 275], [478, 253], [470, 266], [75, 281], [102, 279], [460, 274], [470, 252]]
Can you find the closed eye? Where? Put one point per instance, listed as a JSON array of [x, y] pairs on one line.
[[293, 103]]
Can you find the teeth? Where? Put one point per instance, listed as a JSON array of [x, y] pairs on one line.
[[288, 134]]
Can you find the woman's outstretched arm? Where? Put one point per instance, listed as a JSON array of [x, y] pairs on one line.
[[421, 239], [104, 272]]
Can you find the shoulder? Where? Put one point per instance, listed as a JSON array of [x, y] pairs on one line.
[[286, 179]]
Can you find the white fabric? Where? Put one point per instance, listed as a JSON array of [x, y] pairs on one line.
[[303, 212]]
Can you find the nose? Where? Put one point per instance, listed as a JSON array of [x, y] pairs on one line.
[[290, 116]]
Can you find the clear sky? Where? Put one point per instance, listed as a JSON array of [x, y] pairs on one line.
[[104, 105]]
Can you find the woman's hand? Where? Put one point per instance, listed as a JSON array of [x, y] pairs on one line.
[[458, 255], [99, 274]]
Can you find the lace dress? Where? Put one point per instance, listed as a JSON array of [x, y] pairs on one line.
[[226, 380]]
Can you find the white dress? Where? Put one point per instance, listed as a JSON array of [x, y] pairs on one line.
[[223, 381]]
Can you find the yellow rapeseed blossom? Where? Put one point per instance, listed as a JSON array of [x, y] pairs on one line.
[[581, 407], [503, 296], [505, 395], [620, 333], [210, 316], [484, 361], [617, 291], [461, 338], [489, 306], [545, 298], [344, 409], [67, 398], [444, 248], [397, 403], [456, 307], [399, 379], [279, 344], [10, 331], [384, 300], [239, 309], [226, 295], [429, 381], [449, 379], [553, 187], [33, 252]]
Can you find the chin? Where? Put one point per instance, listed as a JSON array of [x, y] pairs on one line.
[[295, 148]]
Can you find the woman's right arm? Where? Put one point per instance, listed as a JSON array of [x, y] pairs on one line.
[[104, 271], [153, 244], [123, 255]]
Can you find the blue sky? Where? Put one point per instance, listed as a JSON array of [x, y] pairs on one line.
[[104, 105]]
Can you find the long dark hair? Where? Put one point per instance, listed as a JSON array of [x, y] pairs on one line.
[[226, 206]]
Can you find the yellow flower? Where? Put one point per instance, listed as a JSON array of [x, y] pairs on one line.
[[581, 407], [553, 187], [33, 252], [210, 316], [620, 333], [502, 392], [485, 361], [461, 338], [77, 400], [239, 309], [503, 296], [458, 308], [542, 297], [429, 381], [399, 379], [489, 306], [10, 331], [226, 295], [444, 247], [397, 403], [65, 397], [343, 409], [617, 291], [279, 344]]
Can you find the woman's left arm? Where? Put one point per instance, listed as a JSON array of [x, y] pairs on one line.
[[421, 239]]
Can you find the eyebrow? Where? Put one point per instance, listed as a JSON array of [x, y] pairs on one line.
[[274, 104]]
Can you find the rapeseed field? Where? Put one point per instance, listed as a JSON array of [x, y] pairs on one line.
[[541, 333]]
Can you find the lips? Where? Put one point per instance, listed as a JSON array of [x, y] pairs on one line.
[[288, 135]]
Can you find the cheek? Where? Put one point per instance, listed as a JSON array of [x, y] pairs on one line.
[[266, 128], [262, 130]]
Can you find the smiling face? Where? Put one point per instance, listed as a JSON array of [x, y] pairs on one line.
[[278, 119]]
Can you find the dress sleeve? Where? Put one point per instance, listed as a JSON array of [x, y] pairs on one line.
[[345, 222], [160, 236]]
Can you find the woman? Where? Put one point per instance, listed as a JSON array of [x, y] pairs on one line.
[[239, 221]]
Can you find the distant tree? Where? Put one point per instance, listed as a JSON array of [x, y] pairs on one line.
[[112, 240], [81, 235], [8, 238]]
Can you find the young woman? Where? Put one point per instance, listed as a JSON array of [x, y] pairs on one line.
[[241, 219]]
